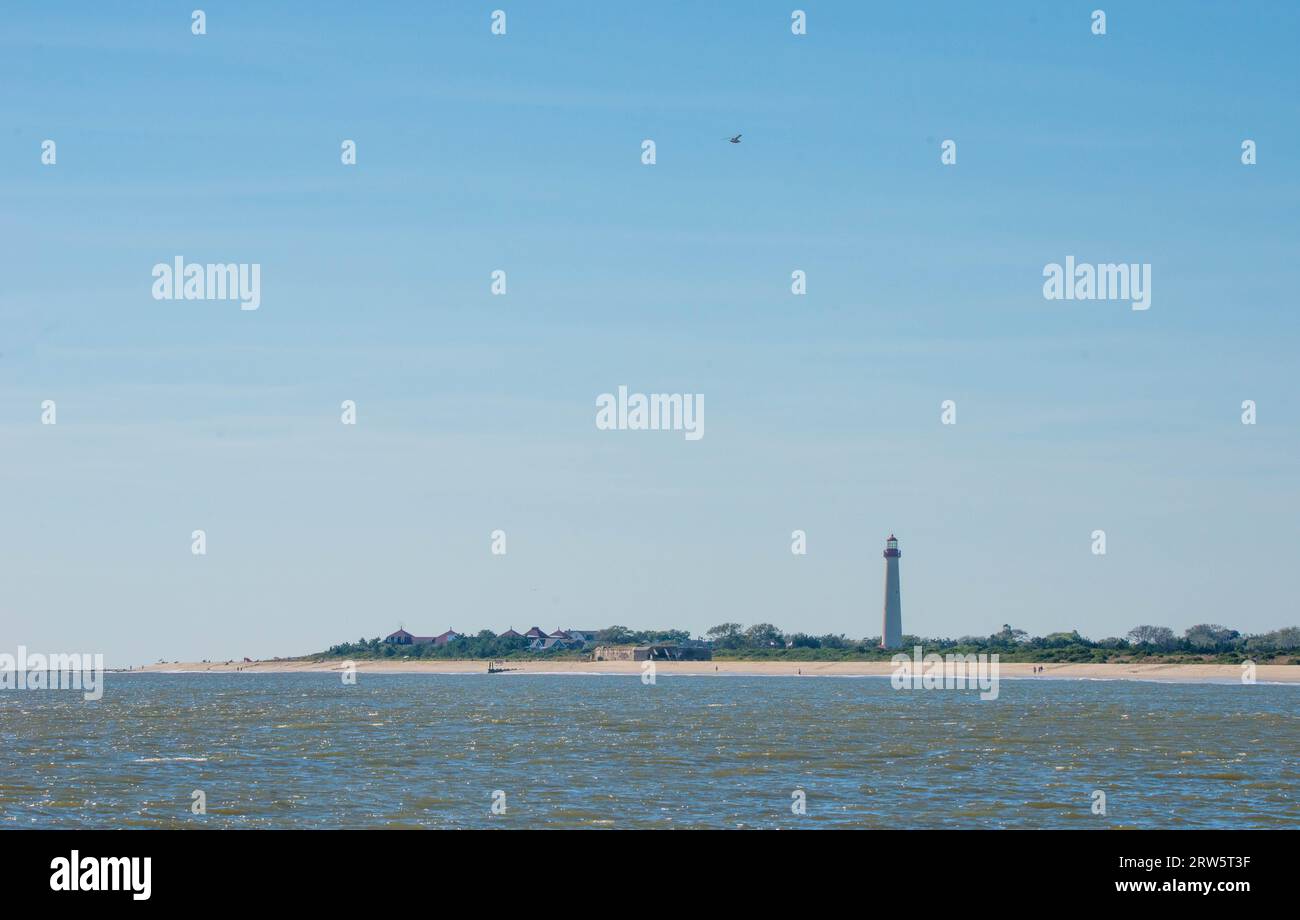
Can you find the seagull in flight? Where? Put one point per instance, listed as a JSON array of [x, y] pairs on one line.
[[734, 140]]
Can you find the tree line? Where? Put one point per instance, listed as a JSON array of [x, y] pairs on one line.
[[1197, 642], [487, 644], [1204, 641]]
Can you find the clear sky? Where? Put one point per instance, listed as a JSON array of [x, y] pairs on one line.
[[476, 412]]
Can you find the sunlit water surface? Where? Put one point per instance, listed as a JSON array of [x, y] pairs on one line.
[[304, 750]]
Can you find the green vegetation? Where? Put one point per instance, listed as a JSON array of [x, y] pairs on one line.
[[484, 645], [488, 645], [1204, 643]]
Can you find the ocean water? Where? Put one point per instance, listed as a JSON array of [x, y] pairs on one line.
[[303, 750]]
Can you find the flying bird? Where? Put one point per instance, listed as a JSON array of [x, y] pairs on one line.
[[734, 140]]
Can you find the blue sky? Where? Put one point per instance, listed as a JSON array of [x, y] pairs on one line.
[[476, 412]]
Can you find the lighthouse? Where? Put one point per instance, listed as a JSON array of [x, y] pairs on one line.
[[891, 631]]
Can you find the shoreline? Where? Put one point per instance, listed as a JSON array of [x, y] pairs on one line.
[[1174, 673]]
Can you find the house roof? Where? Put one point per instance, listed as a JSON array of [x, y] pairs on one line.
[[403, 634], [536, 633], [510, 634]]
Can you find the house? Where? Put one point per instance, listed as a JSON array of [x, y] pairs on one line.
[[552, 643], [510, 634], [446, 637], [535, 633], [402, 637], [559, 634]]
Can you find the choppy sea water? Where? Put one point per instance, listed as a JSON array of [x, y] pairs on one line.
[[303, 750]]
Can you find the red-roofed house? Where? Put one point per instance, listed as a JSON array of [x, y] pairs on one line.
[[402, 637]]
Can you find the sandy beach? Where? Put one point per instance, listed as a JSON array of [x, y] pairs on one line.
[[1167, 672]]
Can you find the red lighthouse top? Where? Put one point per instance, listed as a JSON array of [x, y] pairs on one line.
[[891, 548]]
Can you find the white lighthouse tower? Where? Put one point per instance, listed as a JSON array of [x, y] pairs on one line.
[[891, 632]]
